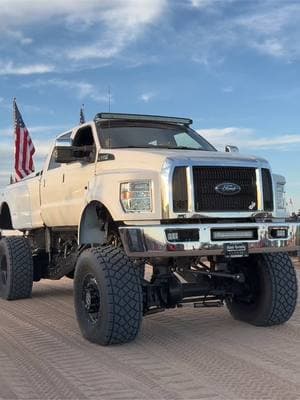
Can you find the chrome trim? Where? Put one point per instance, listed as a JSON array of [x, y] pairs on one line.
[[190, 189], [259, 191], [189, 163], [166, 187], [152, 240]]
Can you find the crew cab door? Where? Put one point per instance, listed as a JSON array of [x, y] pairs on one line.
[[51, 189], [64, 186], [77, 175]]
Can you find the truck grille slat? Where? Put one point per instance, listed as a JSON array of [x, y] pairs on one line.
[[267, 190], [208, 199], [180, 194]]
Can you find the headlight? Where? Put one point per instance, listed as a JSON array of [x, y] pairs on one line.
[[136, 196], [280, 196]]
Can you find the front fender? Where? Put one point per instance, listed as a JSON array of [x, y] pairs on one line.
[[105, 188]]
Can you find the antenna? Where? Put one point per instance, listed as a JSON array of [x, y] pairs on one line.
[[109, 98]]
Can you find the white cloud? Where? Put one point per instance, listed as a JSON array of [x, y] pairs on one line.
[[272, 47], [36, 130], [123, 22], [82, 89], [98, 50], [203, 4], [200, 3], [246, 139], [227, 89], [4, 174], [16, 36], [146, 97], [115, 23], [271, 28], [42, 147], [102, 30], [270, 18], [9, 68], [23, 12]]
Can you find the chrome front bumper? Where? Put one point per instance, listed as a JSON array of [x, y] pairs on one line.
[[152, 241]]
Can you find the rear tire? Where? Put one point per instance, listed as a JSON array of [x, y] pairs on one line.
[[271, 290], [16, 268], [108, 296]]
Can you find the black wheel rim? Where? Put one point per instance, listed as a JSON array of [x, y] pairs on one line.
[[91, 298], [3, 269]]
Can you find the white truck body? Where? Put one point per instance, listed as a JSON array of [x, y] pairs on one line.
[[58, 197]]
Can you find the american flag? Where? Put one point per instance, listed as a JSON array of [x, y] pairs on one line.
[[82, 118], [24, 148]]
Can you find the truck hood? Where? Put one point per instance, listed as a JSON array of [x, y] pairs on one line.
[[152, 159]]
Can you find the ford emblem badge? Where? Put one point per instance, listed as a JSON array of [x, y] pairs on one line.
[[228, 188]]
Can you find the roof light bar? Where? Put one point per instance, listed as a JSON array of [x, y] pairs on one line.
[[139, 117]]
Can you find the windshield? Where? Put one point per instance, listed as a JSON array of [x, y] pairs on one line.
[[123, 134]]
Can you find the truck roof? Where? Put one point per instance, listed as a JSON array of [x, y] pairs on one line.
[[106, 116]]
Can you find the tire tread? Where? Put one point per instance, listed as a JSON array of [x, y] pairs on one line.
[[20, 262], [284, 288], [124, 295]]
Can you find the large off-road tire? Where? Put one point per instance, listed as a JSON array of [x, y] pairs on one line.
[[16, 268], [108, 296], [271, 290]]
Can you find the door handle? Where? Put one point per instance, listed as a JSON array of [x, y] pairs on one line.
[[63, 178]]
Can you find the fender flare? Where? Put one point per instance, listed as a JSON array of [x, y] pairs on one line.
[[92, 228]]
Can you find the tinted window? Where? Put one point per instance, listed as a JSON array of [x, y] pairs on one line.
[[53, 164], [127, 135]]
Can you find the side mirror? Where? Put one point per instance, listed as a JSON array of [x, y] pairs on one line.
[[231, 149], [64, 155], [65, 152]]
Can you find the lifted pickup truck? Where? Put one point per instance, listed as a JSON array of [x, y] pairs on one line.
[[125, 192]]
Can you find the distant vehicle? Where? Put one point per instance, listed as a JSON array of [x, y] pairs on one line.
[[124, 191]]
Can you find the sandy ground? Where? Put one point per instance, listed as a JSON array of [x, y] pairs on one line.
[[181, 354]]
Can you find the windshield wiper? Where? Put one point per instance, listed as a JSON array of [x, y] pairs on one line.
[[181, 148], [132, 147]]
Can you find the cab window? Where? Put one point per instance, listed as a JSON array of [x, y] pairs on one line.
[[53, 164], [84, 138]]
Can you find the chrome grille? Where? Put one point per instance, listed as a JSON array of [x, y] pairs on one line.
[[206, 197]]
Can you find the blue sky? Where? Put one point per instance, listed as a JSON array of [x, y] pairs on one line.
[[231, 65]]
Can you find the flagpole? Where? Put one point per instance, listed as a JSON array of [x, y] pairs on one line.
[[14, 139], [82, 116], [109, 98]]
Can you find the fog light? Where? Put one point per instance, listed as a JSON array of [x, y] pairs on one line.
[[172, 236], [182, 235], [279, 233]]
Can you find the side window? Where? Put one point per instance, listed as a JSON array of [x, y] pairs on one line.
[[84, 138], [53, 164]]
